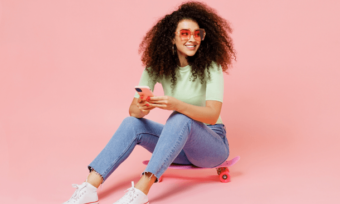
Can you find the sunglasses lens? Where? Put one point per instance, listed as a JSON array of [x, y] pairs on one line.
[[197, 35], [185, 34]]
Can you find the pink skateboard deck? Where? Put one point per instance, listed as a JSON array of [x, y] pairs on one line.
[[222, 170]]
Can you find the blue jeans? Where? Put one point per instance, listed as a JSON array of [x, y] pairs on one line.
[[181, 140]]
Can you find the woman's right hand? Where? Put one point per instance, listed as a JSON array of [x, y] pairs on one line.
[[143, 104]]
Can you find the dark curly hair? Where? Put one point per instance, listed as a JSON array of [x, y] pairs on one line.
[[217, 45]]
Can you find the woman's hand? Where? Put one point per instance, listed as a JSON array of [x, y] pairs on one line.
[[143, 105], [164, 102]]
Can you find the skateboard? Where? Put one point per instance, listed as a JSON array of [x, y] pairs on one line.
[[222, 170]]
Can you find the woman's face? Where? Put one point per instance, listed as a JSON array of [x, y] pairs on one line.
[[186, 47]]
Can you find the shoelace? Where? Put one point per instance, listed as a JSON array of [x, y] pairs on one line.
[[77, 194], [130, 195]]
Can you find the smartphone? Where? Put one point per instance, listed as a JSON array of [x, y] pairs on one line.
[[144, 90]]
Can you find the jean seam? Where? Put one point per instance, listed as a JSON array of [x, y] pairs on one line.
[[147, 133]]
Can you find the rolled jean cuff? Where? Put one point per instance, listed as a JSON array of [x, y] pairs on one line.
[[152, 174]]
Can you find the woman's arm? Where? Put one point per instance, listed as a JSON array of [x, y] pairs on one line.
[[207, 114]]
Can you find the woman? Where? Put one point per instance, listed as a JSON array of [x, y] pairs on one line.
[[187, 52]]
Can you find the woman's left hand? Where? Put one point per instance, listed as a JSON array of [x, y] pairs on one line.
[[164, 102]]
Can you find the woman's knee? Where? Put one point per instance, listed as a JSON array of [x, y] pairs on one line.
[[179, 118], [132, 121]]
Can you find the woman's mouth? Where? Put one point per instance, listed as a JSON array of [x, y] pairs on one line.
[[191, 47]]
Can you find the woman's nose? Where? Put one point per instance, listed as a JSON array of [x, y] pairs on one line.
[[192, 38]]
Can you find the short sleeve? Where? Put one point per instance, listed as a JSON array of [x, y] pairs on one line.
[[215, 86], [146, 80]]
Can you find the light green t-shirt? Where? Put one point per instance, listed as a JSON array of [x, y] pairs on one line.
[[186, 90]]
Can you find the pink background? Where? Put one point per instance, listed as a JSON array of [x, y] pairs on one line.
[[67, 72]]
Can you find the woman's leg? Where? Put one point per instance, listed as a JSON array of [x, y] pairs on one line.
[[183, 136], [131, 132], [182, 140], [167, 144]]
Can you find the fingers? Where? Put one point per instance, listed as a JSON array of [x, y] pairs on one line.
[[149, 108], [144, 106], [160, 102], [158, 105], [142, 103], [140, 99], [157, 98]]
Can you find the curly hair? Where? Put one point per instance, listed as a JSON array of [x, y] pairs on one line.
[[217, 45]]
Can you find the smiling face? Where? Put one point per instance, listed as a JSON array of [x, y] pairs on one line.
[[186, 47]]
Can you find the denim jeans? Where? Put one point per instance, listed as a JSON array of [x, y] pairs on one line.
[[181, 140]]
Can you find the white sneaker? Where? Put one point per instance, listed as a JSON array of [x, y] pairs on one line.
[[133, 196], [85, 194]]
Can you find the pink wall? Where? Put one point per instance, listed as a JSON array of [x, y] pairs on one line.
[[67, 72]]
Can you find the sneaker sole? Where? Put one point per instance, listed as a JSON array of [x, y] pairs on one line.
[[95, 202]]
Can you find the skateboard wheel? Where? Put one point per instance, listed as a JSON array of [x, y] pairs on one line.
[[224, 177]]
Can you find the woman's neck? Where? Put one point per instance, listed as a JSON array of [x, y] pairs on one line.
[[182, 59]]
